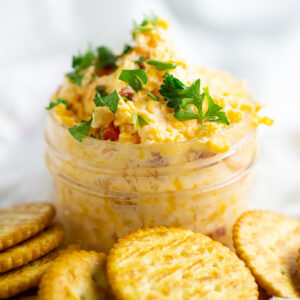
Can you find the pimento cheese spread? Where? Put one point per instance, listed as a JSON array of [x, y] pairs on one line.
[[161, 126], [143, 139]]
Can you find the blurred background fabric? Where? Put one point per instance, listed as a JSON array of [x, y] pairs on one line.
[[256, 40]]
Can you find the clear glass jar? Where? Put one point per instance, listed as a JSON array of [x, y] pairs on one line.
[[104, 189]]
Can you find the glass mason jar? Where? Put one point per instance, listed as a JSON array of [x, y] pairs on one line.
[[104, 190]]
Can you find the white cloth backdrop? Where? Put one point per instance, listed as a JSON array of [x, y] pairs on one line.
[[255, 40]]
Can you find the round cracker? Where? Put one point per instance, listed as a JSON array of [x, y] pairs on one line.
[[176, 263], [26, 277], [20, 222], [298, 260], [31, 249], [268, 243], [78, 275]]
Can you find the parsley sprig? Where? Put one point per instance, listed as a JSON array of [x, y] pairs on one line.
[[105, 57], [150, 19], [139, 120], [81, 131], [79, 64], [160, 65], [58, 101], [111, 101], [135, 78], [180, 97]]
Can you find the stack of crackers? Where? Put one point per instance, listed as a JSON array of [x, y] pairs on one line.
[[28, 242], [154, 263]]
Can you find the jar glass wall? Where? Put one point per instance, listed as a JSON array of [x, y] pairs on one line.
[[103, 189]]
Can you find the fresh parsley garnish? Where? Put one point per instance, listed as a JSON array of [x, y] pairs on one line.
[[152, 96], [126, 49], [150, 19], [81, 131], [75, 77], [140, 61], [139, 120], [111, 101], [79, 64], [135, 78], [106, 57], [180, 96], [127, 98], [58, 101], [160, 65]]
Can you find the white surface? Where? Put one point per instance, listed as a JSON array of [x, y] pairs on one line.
[[256, 40]]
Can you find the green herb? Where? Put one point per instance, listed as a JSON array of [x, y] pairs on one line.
[[105, 57], [134, 78], [79, 64], [111, 101], [148, 19], [58, 101], [140, 60], [100, 134], [81, 131], [101, 89], [180, 96], [152, 96], [160, 65], [75, 78], [126, 98], [126, 49], [139, 120]]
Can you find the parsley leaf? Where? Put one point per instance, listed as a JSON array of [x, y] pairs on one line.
[[126, 49], [140, 61], [173, 90], [179, 96], [79, 64], [82, 62], [148, 19], [214, 113], [134, 78], [139, 120], [81, 131], [111, 101], [75, 77], [105, 57], [160, 65], [58, 101], [152, 96]]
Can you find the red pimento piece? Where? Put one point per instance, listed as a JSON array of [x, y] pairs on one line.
[[111, 132], [105, 70], [126, 93]]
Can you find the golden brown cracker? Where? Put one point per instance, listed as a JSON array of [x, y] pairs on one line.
[[28, 276], [20, 222], [32, 248], [175, 263], [78, 275], [268, 243], [298, 260]]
